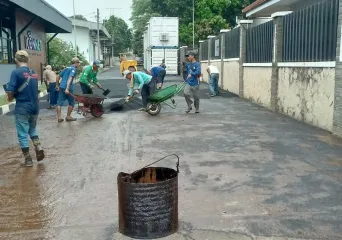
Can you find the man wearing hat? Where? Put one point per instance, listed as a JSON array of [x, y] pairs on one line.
[[191, 89], [146, 84], [49, 78], [23, 87], [89, 77], [66, 86]]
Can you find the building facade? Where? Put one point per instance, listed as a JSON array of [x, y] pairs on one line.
[[24, 25], [86, 38]]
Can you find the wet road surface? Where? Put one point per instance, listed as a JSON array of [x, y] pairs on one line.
[[245, 172]]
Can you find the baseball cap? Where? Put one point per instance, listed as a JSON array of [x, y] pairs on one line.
[[22, 56], [97, 63], [48, 67], [126, 72], [191, 54]]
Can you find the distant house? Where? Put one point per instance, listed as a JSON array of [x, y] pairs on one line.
[[86, 38]]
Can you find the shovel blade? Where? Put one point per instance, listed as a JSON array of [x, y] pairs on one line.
[[106, 92]]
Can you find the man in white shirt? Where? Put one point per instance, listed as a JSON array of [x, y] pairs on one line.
[[49, 78], [214, 76]]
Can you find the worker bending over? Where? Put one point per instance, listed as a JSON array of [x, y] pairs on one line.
[[147, 86], [158, 73]]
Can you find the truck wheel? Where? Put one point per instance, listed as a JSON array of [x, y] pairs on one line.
[[153, 108]]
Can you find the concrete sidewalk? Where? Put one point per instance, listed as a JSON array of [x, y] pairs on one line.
[[245, 173]]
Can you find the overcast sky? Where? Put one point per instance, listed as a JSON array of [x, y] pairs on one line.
[[88, 8]]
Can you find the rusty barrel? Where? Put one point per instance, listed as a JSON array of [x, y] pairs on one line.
[[148, 202]]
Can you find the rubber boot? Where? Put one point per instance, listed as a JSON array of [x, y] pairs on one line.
[[28, 158], [38, 149]]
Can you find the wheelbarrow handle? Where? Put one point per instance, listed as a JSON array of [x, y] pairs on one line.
[[70, 94]]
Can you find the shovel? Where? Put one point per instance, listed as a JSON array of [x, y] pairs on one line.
[[105, 92]]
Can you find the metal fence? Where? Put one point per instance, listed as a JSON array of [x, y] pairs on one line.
[[260, 43], [310, 34], [204, 50], [232, 43], [215, 48]]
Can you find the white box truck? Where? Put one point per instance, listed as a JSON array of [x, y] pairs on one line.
[[162, 43]]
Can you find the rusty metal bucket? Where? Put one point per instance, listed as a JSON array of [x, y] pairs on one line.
[[148, 202]]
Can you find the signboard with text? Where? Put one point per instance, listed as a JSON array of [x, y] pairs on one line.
[[32, 43]]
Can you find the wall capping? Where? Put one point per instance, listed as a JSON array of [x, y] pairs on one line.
[[280, 14], [231, 59], [331, 64], [224, 30], [246, 22], [257, 64], [215, 60], [204, 61]]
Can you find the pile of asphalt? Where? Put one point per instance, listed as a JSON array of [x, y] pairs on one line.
[[121, 106]]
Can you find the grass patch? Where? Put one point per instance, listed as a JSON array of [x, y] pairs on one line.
[[3, 100]]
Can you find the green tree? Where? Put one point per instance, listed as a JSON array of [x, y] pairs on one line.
[[79, 17], [141, 14], [61, 54], [210, 16], [121, 34]]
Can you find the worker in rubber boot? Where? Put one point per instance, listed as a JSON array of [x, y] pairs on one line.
[[191, 89], [158, 74], [23, 87], [147, 86], [65, 87], [89, 77]]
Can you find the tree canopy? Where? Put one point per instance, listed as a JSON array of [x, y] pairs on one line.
[[210, 17], [120, 32], [79, 17], [61, 54]]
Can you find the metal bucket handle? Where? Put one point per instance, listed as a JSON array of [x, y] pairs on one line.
[[177, 165]]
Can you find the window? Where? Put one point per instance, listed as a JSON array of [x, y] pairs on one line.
[[7, 35]]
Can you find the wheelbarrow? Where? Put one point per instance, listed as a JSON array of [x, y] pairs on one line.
[[163, 96], [91, 103]]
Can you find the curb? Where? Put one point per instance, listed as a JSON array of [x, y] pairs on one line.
[[4, 109]]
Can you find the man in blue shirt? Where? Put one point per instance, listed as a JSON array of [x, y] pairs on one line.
[[191, 89], [23, 87], [65, 87], [158, 73]]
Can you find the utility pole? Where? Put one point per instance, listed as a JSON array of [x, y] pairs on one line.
[[113, 49], [73, 2], [98, 35], [193, 24]]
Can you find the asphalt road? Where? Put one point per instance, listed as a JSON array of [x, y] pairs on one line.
[[245, 172]]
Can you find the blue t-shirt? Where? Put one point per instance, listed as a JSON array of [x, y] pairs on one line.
[[27, 101], [156, 70], [195, 70], [67, 72]]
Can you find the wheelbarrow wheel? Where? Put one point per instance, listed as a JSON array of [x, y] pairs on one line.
[[97, 110], [153, 108]]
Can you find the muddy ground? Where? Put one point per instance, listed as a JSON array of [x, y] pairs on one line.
[[245, 172]]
